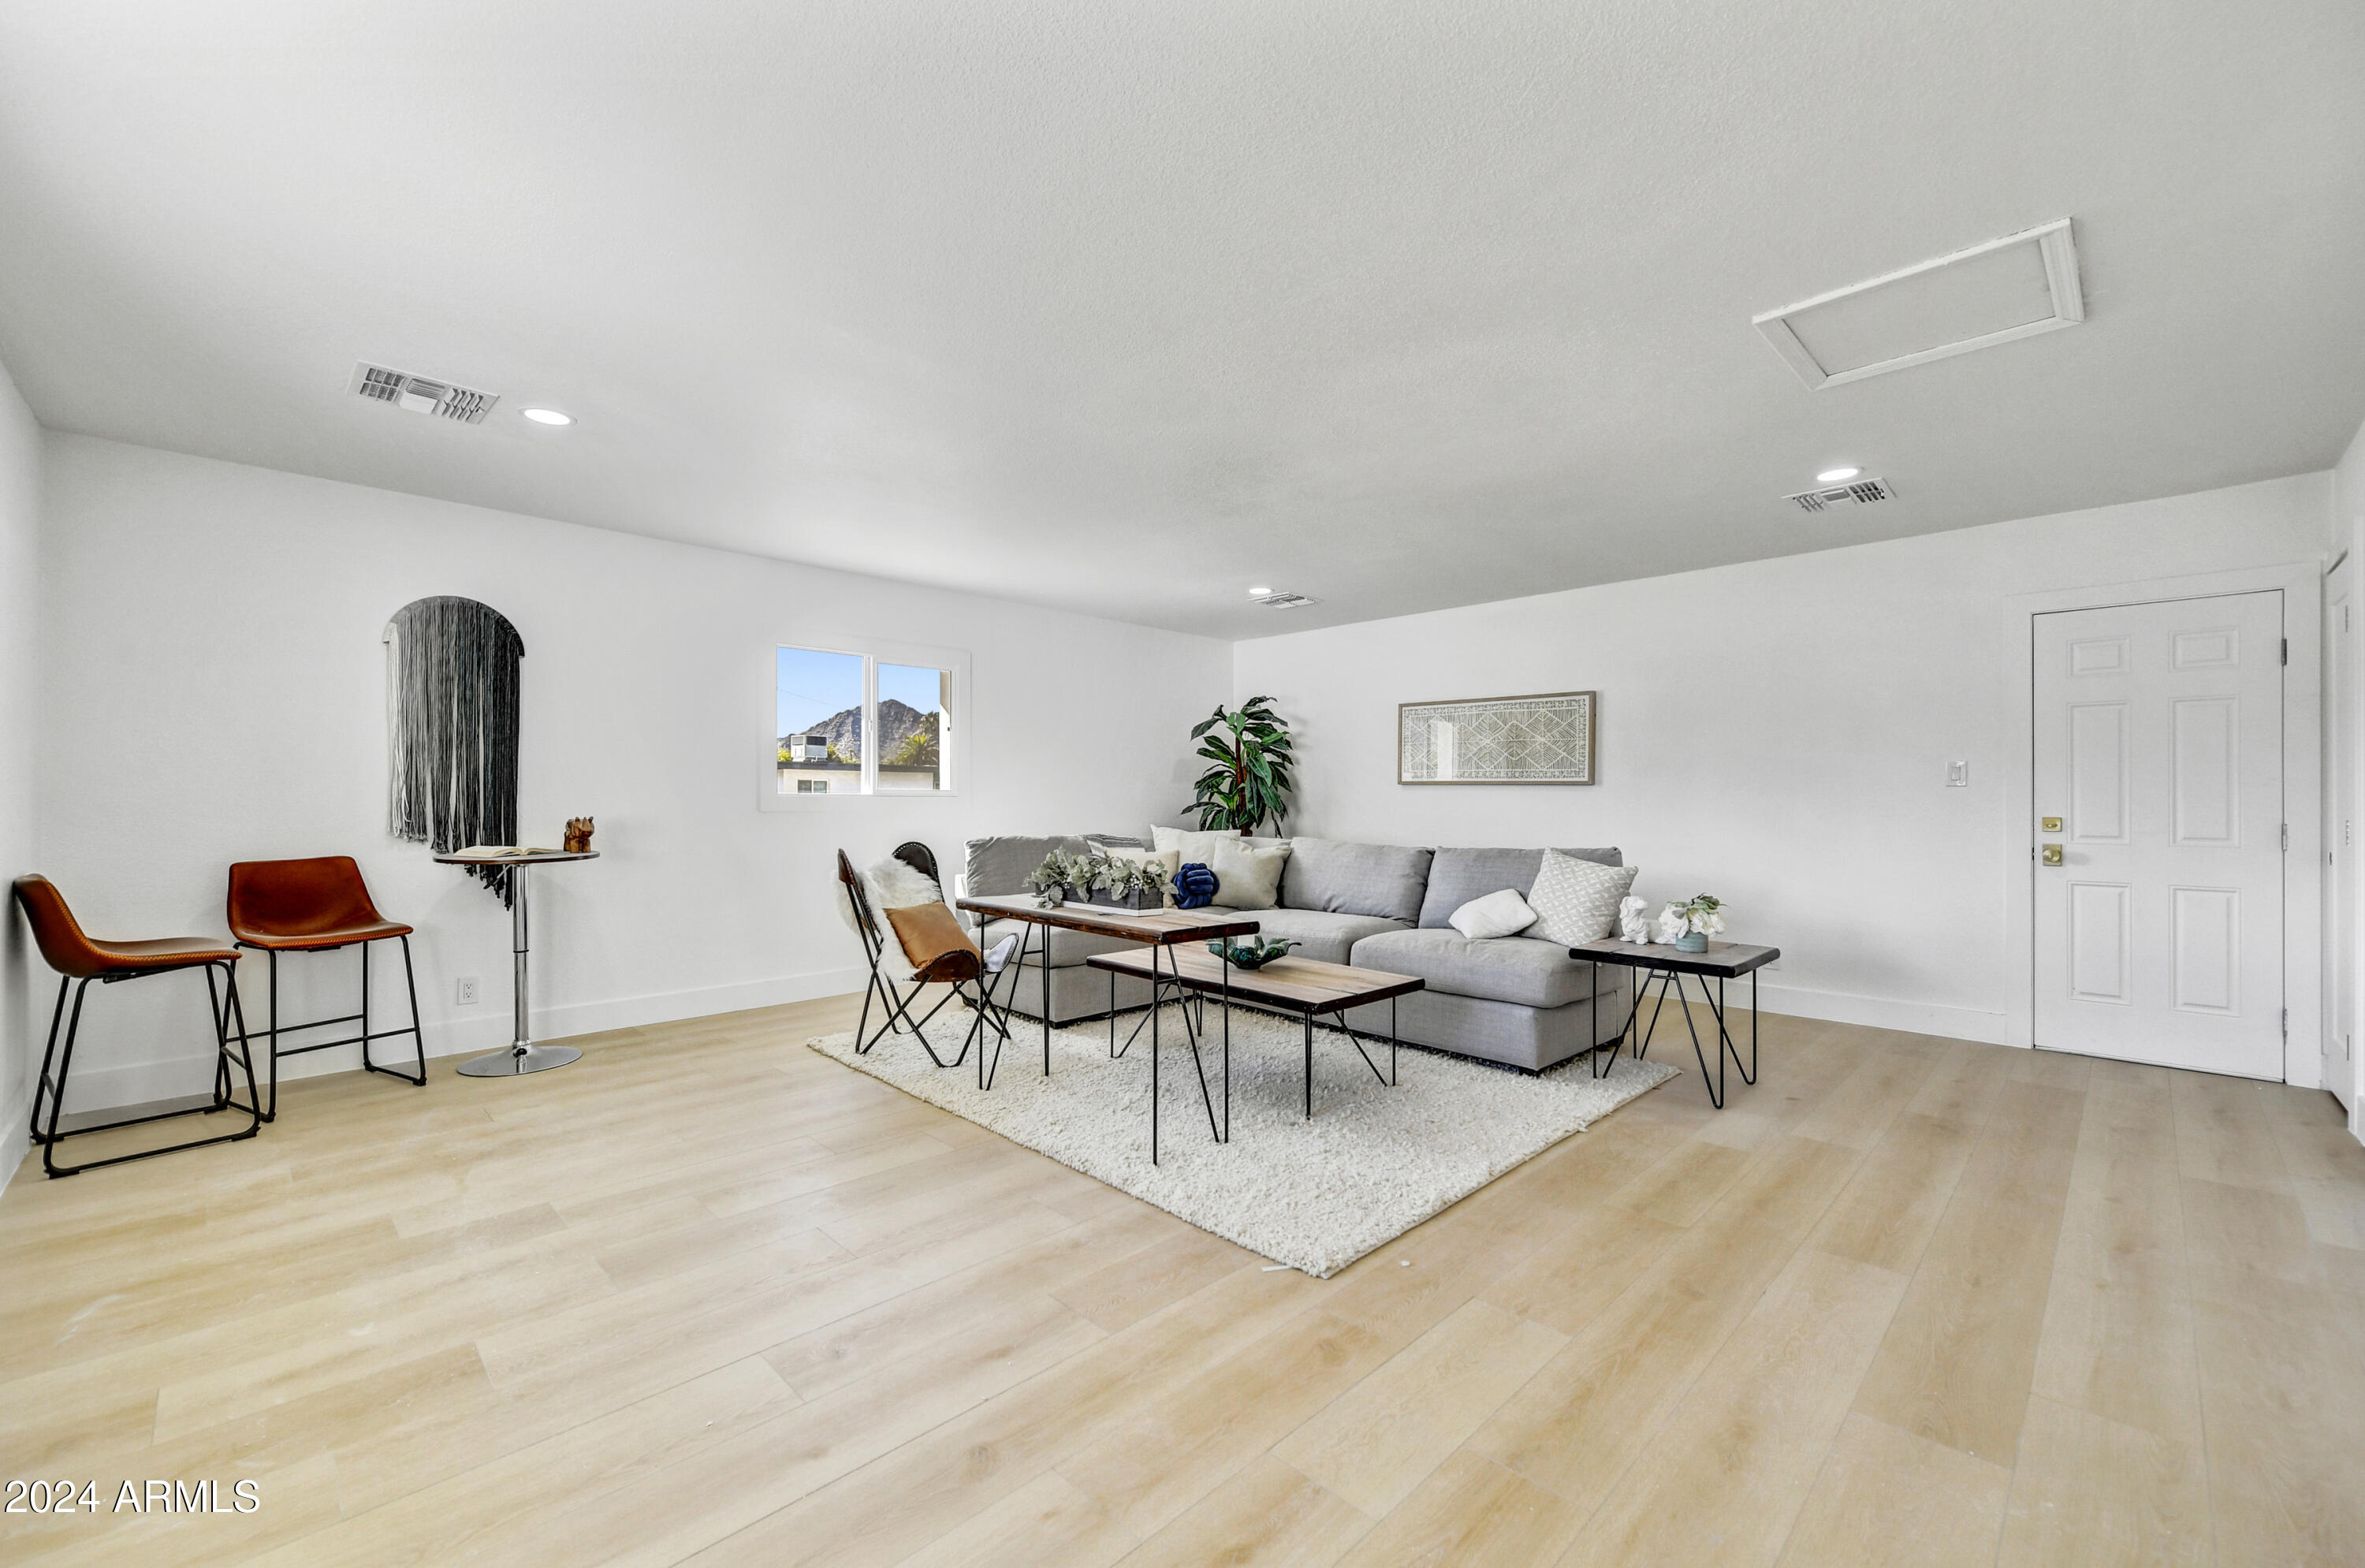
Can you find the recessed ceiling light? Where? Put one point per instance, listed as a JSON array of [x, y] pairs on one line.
[[1828, 476], [1259, 592], [549, 417]]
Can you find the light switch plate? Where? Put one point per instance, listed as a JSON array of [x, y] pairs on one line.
[[1958, 776]]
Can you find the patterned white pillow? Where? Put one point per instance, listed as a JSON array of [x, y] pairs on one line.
[[1576, 900]]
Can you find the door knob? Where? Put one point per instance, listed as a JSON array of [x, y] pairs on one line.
[[2053, 854]]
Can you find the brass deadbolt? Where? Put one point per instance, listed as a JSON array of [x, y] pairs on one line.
[[2052, 824], [2053, 854]]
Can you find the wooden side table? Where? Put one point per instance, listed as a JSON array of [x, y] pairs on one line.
[[523, 1055], [1668, 965]]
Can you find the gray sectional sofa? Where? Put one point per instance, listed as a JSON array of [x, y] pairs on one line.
[[1513, 1000]]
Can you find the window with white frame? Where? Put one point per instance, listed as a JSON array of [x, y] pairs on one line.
[[877, 719]]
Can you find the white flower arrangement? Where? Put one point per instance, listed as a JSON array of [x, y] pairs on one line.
[[1704, 913], [1701, 914]]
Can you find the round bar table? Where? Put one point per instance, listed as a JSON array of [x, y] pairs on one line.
[[523, 1055]]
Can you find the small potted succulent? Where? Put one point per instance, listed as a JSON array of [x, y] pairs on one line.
[[1253, 952], [1696, 921]]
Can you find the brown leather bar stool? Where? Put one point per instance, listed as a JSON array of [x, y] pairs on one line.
[[318, 906], [78, 960]]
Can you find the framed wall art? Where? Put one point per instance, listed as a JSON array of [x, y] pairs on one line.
[[1544, 739]]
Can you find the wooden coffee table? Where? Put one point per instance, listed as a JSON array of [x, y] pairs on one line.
[[1302, 986], [1154, 929]]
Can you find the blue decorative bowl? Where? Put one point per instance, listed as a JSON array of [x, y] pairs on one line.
[[1253, 956]]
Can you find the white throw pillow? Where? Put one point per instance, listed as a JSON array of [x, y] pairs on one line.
[[1503, 913], [1576, 900], [1168, 861], [1247, 878]]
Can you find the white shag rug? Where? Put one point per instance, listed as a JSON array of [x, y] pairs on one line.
[[1373, 1163]]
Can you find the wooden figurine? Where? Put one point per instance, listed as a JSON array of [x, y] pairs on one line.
[[578, 835]]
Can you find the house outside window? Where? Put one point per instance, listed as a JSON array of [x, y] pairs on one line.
[[864, 719]]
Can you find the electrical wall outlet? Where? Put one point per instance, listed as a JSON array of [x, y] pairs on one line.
[[464, 991]]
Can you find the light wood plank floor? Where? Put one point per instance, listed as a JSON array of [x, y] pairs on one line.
[[710, 1297]]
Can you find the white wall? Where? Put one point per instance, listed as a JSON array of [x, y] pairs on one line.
[[2347, 523], [216, 691], [20, 495], [1775, 733]]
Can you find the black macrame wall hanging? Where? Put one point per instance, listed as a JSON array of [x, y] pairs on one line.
[[452, 728]]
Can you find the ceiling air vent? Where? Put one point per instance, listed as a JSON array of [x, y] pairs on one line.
[[1857, 492], [1286, 600], [423, 394]]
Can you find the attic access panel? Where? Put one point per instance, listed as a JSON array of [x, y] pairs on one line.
[[2006, 289]]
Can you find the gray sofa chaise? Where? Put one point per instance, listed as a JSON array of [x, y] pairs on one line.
[[1514, 999]]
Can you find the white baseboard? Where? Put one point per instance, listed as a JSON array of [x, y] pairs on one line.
[[15, 1142], [1881, 1013], [141, 1083]]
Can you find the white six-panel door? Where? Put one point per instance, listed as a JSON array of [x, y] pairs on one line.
[[2158, 779]]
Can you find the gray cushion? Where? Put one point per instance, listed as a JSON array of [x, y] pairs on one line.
[[1529, 1037], [1318, 933], [1068, 947], [1457, 875], [998, 867], [1501, 969], [1384, 880]]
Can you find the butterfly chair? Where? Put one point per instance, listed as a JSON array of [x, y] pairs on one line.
[[940, 952]]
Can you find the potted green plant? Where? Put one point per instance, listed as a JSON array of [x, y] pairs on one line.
[[1701, 917], [1118, 882], [1248, 778], [1059, 880]]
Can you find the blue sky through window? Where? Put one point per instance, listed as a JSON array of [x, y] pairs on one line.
[[816, 686], [913, 686]]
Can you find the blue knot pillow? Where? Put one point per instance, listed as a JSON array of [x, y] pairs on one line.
[[1194, 886]]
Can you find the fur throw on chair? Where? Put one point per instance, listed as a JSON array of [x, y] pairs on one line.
[[889, 884]]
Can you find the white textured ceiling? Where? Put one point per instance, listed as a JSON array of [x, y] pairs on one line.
[[1130, 306]]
